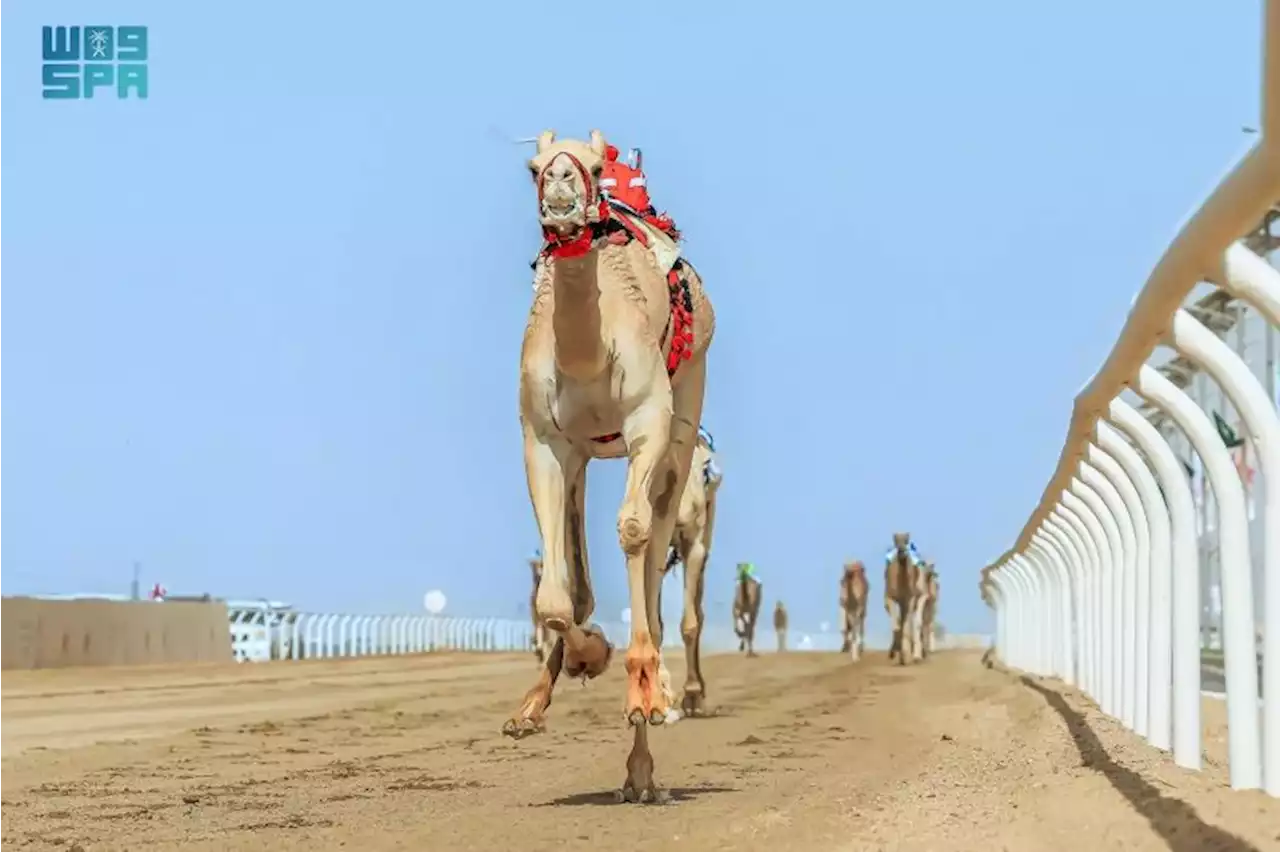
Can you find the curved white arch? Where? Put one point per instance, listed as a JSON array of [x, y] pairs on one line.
[[1071, 525], [1103, 515], [1152, 690], [1244, 746], [1138, 567]]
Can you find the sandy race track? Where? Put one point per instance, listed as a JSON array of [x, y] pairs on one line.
[[809, 752]]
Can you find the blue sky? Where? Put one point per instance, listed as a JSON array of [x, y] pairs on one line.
[[264, 326]]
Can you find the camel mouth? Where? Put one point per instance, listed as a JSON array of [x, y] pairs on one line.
[[563, 213]]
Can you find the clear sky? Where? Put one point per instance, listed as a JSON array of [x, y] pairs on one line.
[[264, 327]]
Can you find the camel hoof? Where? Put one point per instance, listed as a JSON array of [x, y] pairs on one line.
[[595, 658], [692, 704], [650, 795], [636, 718], [658, 717], [518, 729]]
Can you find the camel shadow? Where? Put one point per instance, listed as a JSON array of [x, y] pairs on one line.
[[609, 797], [1175, 821], [707, 715]]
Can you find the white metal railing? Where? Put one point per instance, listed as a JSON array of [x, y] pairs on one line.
[[260, 633], [1101, 587]]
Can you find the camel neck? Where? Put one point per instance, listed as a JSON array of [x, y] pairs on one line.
[[576, 320]]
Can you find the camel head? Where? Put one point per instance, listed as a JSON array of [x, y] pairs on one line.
[[854, 569], [900, 542], [566, 174]]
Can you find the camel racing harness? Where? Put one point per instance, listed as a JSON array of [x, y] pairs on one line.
[[617, 225], [912, 552]]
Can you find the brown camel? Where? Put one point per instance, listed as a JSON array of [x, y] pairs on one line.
[[903, 595], [613, 366], [929, 609], [854, 591], [746, 609], [691, 545], [780, 625], [541, 636]]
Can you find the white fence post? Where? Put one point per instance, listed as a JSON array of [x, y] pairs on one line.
[[1153, 535], [1244, 743], [1137, 565]]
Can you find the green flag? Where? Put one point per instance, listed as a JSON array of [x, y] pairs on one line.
[[1228, 435]]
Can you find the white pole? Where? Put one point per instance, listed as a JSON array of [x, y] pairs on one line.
[[1244, 735]]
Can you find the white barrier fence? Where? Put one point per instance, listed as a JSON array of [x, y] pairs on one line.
[[261, 632], [1102, 587]]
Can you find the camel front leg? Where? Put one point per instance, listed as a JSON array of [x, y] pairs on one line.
[[647, 432], [861, 644], [910, 630], [852, 642], [549, 465], [894, 611], [587, 652], [846, 629]]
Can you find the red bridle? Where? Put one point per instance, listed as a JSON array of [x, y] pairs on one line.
[[579, 245]]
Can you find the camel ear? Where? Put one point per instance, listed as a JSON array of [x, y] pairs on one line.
[[597, 142], [546, 139]]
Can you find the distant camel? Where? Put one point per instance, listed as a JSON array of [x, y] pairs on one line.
[[903, 595], [746, 608], [929, 610], [853, 606], [542, 637]]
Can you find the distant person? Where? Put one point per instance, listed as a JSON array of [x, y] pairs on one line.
[[780, 625]]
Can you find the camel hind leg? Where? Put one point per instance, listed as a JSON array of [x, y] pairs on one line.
[[926, 630], [917, 628], [861, 643], [693, 702], [918, 604]]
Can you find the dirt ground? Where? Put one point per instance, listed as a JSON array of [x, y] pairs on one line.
[[808, 752]]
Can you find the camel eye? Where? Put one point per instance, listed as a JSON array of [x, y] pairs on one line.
[[597, 170]]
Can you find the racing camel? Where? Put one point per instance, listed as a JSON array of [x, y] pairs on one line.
[[691, 545], [747, 595], [929, 609], [541, 636], [903, 596], [853, 607], [613, 365]]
